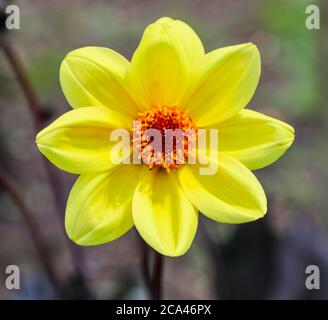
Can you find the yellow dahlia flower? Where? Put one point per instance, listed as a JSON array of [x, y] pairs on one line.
[[169, 83]]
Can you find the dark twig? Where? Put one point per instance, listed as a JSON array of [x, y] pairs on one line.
[[33, 229], [39, 118], [17, 67]]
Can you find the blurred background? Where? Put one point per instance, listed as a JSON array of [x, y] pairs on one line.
[[261, 260]]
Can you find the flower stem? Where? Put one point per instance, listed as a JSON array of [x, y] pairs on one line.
[[145, 265], [157, 281], [153, 282]]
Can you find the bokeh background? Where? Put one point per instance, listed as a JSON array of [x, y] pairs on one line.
[[261, 260]]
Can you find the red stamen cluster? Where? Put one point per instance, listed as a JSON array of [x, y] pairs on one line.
[[161, 119]]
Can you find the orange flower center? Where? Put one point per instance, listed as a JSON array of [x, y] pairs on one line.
[[177, 137]]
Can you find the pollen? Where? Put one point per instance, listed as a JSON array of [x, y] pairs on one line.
[[174, 140]]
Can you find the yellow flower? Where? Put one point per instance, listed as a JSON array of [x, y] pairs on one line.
[[170, 82]]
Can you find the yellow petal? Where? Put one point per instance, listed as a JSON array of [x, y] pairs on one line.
[[232, 195], [79, 140], [163, 215], [183, 34], [160, 68], [95, 76], [99, 206], [223, 82], [254, 139]]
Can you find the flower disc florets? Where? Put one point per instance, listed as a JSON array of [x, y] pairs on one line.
[[177, 133]]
